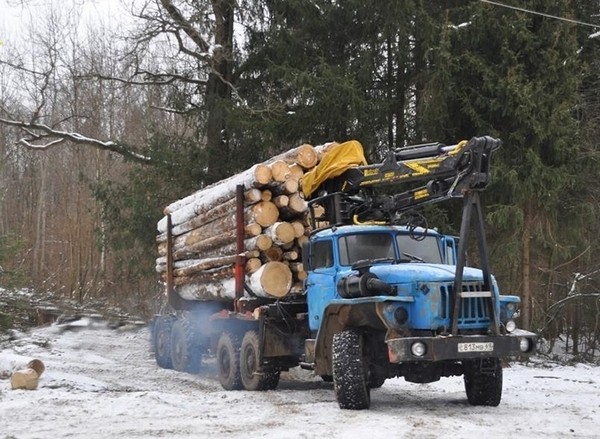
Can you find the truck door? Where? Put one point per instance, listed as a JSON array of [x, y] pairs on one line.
[[320, 283]]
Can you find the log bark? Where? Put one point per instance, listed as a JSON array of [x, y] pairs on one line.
[[219, 273], [185, 209], [205, 217], [220, 290], [205, 245], [205, 264]]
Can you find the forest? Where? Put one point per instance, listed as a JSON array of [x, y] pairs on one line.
[[107, 118]]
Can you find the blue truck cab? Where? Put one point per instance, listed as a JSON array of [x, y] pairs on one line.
[[386, 293]]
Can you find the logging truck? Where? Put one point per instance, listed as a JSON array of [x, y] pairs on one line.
[[317, 259]]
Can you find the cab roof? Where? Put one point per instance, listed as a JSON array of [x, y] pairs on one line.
[[344, 230]]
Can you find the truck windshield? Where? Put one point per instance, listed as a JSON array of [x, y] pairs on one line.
[[354, 248], [425, 250]]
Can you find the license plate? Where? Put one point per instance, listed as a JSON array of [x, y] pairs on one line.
[[476, 347]]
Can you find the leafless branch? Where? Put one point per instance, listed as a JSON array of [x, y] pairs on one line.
[[169, 78], [21, 68], [51, 137], [176, 15]]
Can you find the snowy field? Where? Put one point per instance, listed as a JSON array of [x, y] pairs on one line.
[[103, 383]]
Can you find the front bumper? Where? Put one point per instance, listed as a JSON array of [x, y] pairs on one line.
[[447, 347]]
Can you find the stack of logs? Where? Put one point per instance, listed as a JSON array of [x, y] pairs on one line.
[[203, 229]]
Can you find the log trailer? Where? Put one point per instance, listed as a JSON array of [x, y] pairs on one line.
[[385, 296]]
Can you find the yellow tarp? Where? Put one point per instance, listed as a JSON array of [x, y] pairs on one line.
[[338, 158]]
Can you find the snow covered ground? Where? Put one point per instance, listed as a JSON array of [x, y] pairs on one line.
[[103, 383]]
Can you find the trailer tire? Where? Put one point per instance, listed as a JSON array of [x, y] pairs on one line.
[[186, 355], [350, 370], [161, 341], [256, 376], [228, 361], [483, 381]]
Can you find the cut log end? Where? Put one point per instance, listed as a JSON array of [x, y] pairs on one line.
[[274, 279]]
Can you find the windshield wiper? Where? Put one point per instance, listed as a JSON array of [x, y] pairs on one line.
[[413, 257]]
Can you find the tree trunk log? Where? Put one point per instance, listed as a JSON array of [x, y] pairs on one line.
[[281, 233], [205, 264], [264, 213], [281, 201], [272, 254], [281, 171], [297, 172], [253, 229], [252, 265], [274, 279]]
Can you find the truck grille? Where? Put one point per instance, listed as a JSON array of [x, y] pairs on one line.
[[473, 310]]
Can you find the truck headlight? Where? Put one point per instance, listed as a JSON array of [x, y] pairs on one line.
[[418, 349], [510, 326]]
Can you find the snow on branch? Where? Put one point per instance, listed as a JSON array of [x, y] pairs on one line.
[[43, 137]]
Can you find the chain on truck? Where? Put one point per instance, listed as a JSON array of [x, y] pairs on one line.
[[384, 295]]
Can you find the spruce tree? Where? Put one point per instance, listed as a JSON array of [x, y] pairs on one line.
[[516, 76]]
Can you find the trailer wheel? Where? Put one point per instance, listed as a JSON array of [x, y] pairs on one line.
[[350, 370], [161, 341], [228, 361], [256, 376], [483, 381], [186, 355]]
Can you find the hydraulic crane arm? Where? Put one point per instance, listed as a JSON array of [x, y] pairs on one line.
[[443, 172]]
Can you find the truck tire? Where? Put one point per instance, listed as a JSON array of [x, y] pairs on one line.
[[254, 375], [161, 341], [350, 371], [186, 355], [228, 361], [483, 381]]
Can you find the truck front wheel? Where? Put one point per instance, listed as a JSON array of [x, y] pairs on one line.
[[228, 361], [483, 381], [350, 370]]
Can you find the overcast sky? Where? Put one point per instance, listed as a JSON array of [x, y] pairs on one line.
[[18, 16]]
